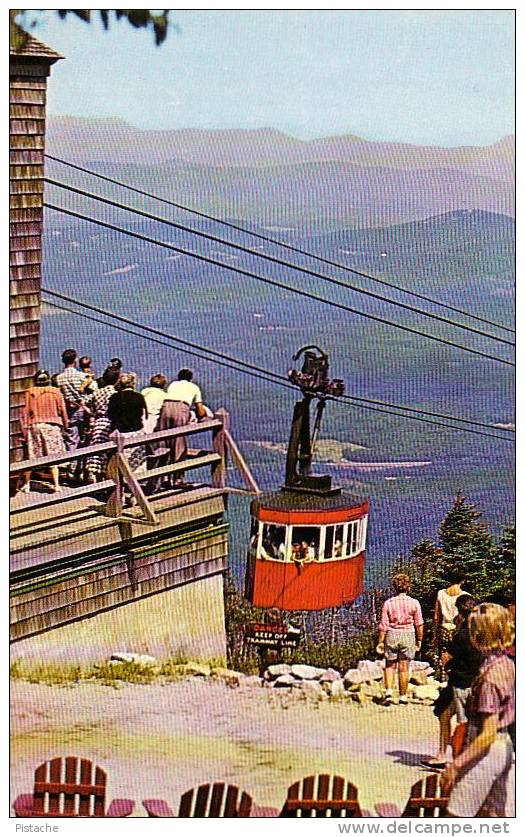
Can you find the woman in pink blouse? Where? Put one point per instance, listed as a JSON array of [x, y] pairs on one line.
[[400, 636]]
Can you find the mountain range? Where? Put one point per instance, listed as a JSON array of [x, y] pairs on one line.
[[269, 178]]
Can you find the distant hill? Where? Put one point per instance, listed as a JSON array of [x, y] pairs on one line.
[[269, 178]]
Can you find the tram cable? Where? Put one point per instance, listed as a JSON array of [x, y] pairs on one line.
[[279, 243], [256, 371], [273, 282], [275, 260]]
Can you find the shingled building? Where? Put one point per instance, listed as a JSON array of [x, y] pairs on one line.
[[29, 66]]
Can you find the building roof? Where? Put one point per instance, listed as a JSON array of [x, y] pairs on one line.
[[30, 47]]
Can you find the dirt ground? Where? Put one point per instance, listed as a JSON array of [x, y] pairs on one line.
[[160, 740]]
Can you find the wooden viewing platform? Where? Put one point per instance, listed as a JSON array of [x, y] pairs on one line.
[[82, 554]]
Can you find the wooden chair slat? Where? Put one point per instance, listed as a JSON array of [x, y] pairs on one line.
[[99, 793], [39, 796], [69, 787], [323, 788], [201, 801], [84, 798], [431, 785], [186, 802], [245, 805], [338, 787], [231, 808], [217, 796], [55, 778], [70, 777]]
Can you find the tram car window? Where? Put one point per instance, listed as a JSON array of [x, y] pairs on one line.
[[273, 542]]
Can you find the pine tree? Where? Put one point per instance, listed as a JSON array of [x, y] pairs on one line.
[[463, 526]]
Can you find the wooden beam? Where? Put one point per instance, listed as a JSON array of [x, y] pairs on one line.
[[241, 464]]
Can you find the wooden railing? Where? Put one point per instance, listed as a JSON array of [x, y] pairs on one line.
[[120, 475]]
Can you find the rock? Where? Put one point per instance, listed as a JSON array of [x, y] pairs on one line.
[[196, 669], [353, 678], [419, 678], [304, 672], [334, 688], [228, 676], [360, 697], [330, 676], [373, 689], [429, 693], [312, 689], [371, 670], [273, 672], [130, 657], [284, 680]]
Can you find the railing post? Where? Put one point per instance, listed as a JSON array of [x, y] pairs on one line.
[[115, 500], [218, 471]]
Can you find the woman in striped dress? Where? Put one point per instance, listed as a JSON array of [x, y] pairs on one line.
[[98, 404]]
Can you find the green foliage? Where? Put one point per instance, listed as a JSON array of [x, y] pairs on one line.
[[341, 655], [156, 21], [465, 545], [463, 526], [51, 674]]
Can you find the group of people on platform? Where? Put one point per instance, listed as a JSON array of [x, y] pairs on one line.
[[74, 409], [476, 653]]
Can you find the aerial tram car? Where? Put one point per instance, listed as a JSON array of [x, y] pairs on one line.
[[307, 541]]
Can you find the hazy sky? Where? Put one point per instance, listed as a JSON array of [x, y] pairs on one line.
[[435, 77]]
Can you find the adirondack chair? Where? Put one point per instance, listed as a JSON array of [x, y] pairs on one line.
[[425, 800], [70, 787], [217, 800], [322, 796]]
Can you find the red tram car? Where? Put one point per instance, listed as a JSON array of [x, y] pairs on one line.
[[307, 541]]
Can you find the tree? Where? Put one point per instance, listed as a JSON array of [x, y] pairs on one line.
[[505, 564], [158, 22], [463, 526]]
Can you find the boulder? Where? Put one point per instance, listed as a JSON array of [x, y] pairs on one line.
[[419, 678], [312, 689], [305, 672], [353, 678], [334, 688], [275, 671], [284, 680], [370, 669], [330, 676], [130, 657], [374, 689]]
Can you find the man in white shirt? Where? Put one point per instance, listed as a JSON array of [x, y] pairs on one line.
[[181, 395], [154, 396]]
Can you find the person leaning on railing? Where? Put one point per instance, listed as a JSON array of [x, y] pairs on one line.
[[44, 420], [127, 411]]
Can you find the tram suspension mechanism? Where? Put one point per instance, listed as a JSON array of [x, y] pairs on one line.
[[314, 382]]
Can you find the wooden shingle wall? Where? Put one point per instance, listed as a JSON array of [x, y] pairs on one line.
[[28, 72]]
